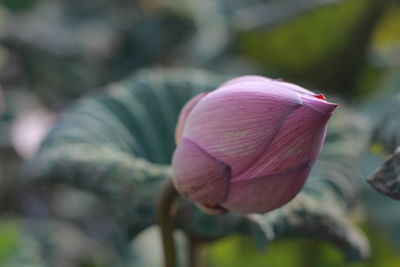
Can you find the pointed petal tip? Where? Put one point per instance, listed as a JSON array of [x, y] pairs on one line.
[[318, 103], [331, 107]]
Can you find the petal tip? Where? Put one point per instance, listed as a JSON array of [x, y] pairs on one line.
[[318, 103]]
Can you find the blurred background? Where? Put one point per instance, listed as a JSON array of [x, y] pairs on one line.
[[54, 51]]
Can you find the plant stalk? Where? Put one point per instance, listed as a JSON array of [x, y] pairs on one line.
[[195, 253], [167, 197]]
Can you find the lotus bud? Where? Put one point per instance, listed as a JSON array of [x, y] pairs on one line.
[[249, 145]]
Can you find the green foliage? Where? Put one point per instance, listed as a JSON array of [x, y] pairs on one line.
[[322, 47], [384, 253], [300, 44], [386, 178], [87, 44], [9, 239], [238, 251], [388, 30], [17, 5], [17, 246], [118, 144], [368, 80]]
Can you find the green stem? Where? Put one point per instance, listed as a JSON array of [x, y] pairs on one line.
[[167, 197], [195, 256]]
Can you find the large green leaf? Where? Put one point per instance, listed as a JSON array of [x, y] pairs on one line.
[[118, 144]]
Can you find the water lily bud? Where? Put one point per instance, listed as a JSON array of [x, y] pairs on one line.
[[249, 145]]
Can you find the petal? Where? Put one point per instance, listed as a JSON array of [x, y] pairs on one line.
[[265, 193], [187, 108], [319, 104], [237, 123], [247, 78], [277, 82], [197, 175], [294, 87], [299, 140]]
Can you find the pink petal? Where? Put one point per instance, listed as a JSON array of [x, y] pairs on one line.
[[299, 140], [265, 193], [294, 87], [247, 78], [238, 122], [187, 108], [319, 104], [265, 80], [199, 176]]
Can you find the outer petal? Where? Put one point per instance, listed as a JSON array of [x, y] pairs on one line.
[[247, 78], [276, 82], [187, 108], [294, 87], [199, 176], [262, 194], [318, 104], [238, 122], [299, 140]]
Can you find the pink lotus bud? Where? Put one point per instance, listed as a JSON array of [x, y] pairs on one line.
[[249, 145]]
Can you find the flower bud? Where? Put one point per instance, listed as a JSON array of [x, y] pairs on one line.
[[249, 145]]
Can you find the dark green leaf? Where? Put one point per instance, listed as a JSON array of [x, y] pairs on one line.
[[118, 144]]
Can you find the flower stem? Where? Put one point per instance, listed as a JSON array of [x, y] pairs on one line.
[[167, 197], [195, 256]]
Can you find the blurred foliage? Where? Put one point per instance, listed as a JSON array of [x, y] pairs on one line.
[[368, 81], [96, 198], [18, 248], [18, 5], [87, 45], [127, 166], [387, 29], [386, 38], [9, 234], [238, 251], [322, 46], [303, 47], [386, 178]]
